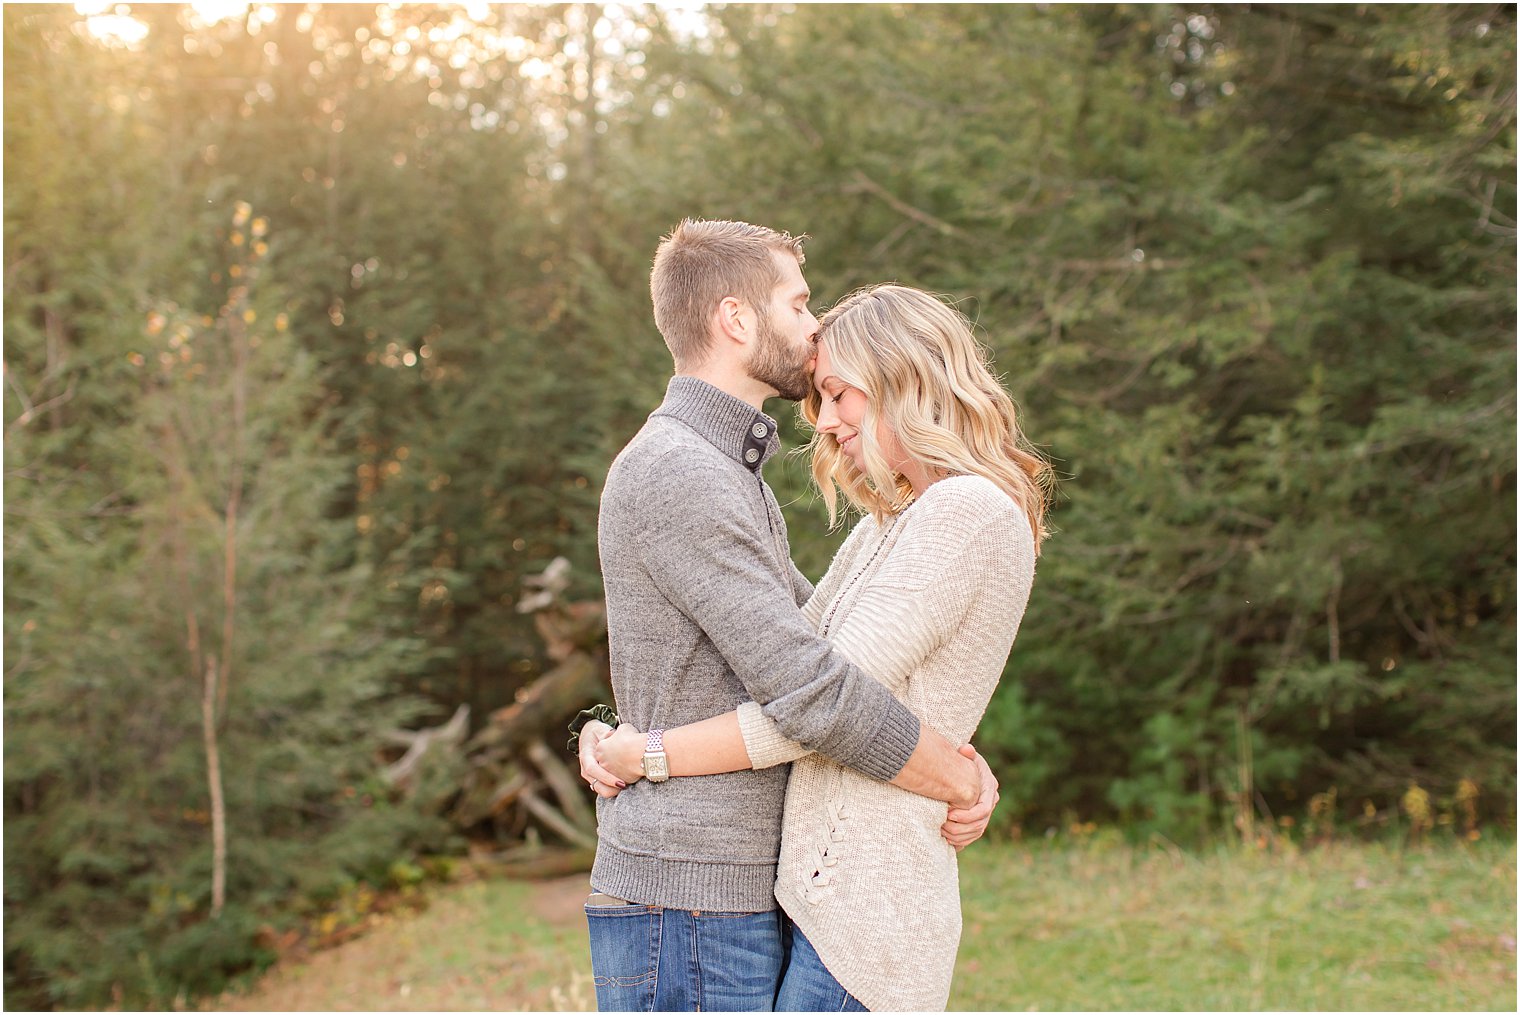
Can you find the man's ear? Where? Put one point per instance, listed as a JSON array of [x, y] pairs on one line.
[[736, 320]]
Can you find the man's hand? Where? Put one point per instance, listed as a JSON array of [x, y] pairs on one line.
[[602, 782], [963, 826]]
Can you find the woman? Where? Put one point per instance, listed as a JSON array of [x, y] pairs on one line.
[[926, 595]]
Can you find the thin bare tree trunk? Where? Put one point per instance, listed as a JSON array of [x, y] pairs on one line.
[[219, 680], [1245, 816], [206, 672], [238, 334], [57, 358], [214, 783]]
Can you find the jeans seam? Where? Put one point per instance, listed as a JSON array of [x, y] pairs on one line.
[[696, 962], [656, 935]]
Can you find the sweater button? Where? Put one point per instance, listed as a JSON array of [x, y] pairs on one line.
[[752, 456], [759, 430]]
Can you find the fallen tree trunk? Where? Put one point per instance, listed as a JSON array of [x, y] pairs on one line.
[[532, 862], [516, 785], [545, 706]]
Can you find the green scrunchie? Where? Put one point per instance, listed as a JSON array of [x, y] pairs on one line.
[[601, 713]]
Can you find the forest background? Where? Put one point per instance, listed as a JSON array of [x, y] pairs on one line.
[[322, 324]]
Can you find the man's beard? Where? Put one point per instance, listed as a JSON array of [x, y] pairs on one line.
[[779, 365]]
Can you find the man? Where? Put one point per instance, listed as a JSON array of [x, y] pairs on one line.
[[703, 612]]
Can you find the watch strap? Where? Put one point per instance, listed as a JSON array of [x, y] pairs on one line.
[[656, 764]]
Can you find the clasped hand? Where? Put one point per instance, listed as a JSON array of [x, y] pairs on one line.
[[612, 760]]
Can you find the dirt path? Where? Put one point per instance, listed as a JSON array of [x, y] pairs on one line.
[[488, 945]]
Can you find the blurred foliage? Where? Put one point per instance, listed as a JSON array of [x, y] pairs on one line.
[[1249, 271]]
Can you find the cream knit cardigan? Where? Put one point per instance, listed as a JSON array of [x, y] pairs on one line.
[[928, 603]]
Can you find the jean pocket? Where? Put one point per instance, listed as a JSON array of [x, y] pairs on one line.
[[625, 909], [625, 954]]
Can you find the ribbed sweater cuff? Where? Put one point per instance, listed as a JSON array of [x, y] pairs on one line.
[[889, 748], [763, 740]]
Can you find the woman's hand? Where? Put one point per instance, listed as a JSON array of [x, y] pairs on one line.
[[602, 782], [622, 753]]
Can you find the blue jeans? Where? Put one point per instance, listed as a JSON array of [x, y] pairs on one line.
[[645, 958], [807, 985]]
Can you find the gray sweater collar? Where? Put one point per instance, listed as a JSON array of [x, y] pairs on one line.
[[730, 424]]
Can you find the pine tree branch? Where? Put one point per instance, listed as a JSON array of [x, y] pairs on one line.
[[870, 186]]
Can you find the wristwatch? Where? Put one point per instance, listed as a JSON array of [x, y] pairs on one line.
[[656, 764]]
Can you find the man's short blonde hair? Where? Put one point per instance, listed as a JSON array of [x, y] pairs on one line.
[[703, 262]]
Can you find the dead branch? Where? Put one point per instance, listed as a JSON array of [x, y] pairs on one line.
[[402, 772], [866, 184], [556, 821], [573, 800]]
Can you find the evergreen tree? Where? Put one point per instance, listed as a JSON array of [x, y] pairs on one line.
[[198, 673], [322, 326]]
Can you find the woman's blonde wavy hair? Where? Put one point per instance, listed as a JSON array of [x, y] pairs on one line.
[[925, 376]]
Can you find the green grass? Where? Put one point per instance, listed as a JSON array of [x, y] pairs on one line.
[[1106, 926], [491, 945], [1088, 925]]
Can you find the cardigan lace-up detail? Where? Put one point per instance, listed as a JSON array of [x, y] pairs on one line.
[[827, 852]]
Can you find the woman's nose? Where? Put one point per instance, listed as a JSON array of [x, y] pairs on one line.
[[828, 419]]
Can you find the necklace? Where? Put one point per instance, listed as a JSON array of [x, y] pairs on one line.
[[881, 544]]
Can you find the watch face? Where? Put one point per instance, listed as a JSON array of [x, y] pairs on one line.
[[656, 767]]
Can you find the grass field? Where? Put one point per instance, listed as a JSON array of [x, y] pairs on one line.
[[1095, 925], [1342, 928]]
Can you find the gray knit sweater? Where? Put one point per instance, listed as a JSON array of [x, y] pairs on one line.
[[703, 614]]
